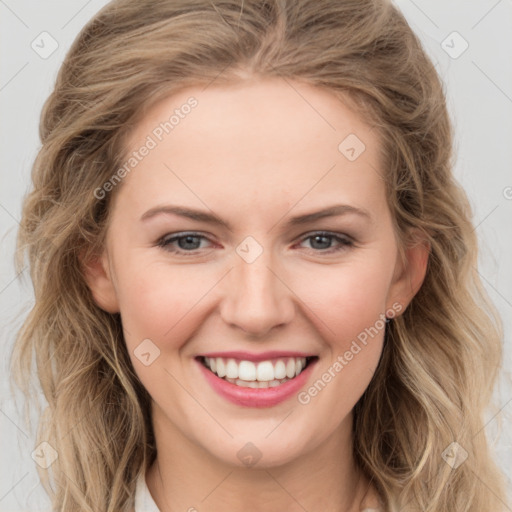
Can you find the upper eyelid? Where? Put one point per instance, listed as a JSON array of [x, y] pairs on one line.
[[179, 234], [182, 234]]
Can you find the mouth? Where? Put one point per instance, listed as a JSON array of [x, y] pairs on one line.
[[269, 373], [256, 380]]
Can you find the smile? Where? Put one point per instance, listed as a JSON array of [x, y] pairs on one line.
[[262, 383], [264, 374]]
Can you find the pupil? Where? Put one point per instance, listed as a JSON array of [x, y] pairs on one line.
[[320, 237], [189, 239]]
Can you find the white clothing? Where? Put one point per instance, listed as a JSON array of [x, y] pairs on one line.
[[143, 500]]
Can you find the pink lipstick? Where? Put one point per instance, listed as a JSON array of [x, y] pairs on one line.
[[277, 392]]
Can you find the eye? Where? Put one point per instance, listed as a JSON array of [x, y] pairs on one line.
[[186, 242], [321, 241]]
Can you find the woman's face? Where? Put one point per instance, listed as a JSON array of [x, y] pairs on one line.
[[287, 250]]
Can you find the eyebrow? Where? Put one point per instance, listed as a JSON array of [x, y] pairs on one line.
[[211, 218]]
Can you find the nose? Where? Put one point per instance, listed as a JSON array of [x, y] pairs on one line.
[[256, 298]]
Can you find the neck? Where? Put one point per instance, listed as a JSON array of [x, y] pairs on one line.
[[185, 476]]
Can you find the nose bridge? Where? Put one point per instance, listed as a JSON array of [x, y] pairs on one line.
[[256, 299]]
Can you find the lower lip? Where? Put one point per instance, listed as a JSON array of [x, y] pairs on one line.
[[257, 397]]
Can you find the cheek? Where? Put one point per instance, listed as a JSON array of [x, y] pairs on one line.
[[347, 308], [157, 302], [346, 299]]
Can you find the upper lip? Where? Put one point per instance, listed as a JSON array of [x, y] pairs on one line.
[[261, 356]]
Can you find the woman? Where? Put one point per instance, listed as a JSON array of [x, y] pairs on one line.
[[254, 271]]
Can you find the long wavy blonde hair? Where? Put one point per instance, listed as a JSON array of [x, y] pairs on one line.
[[441, 357]]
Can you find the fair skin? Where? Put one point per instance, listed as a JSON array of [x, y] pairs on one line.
[[255, 154]]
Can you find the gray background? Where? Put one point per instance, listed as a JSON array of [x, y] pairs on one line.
[[479, 89]]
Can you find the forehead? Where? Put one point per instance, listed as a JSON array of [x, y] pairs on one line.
[[267, 142]]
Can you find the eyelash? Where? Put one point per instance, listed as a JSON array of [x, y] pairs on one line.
[[344, 242]]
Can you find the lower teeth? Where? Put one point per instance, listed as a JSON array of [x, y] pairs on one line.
[[256, 384]]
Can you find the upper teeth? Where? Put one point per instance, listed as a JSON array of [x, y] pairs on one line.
[[263, 371]]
